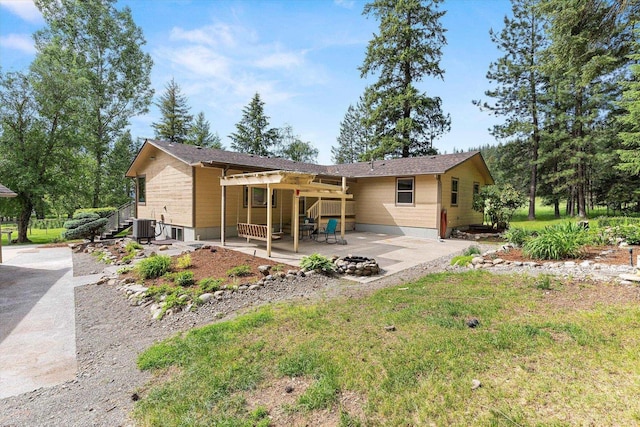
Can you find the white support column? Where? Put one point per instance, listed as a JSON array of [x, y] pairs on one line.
[[249, 199], [343, 208], [296, 220], [269, 220], [223, 211]]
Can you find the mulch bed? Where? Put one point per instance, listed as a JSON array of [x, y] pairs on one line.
[[615, 255]]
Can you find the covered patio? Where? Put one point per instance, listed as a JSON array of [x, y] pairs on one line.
[[301, 184], [393, 253]]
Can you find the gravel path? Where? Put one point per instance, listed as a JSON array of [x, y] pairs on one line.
[[110, 334]]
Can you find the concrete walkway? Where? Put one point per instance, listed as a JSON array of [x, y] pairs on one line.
[[37, 318]]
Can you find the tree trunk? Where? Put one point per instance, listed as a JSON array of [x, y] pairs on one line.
[[26, 207]]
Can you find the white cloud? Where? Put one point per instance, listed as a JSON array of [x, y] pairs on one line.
[[21, 42], [218, 34], [285, 60], [347, 4], [25, 9]]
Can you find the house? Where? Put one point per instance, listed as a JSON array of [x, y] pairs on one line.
[[4, 192], [201, 193]]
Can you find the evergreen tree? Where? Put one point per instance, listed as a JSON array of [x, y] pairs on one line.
[[119, 160], [408, 48], [200, 134], [354, 139], [253, 135], [107, 53], [519, 90], [175, 123], [630, 120], [290, 146]]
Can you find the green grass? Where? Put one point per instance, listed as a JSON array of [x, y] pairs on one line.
[[539, 364], [40, 237], [545, 216]]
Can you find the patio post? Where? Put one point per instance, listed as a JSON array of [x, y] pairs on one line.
[[223, 210], [269, 220], [343, 207], [296, 220], [249, 205]]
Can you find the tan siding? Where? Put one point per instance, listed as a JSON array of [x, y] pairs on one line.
[[169, 185], [462, 214], [375, 202], [208, 205]]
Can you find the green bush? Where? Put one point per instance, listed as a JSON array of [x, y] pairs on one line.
[[498, 204], [101, 212], [557, 242], [317, 262], [630, 233], [518, 236], [181, 278], [462, 260], [614, 221], [132, 246], [153, 267], [472, 250], [84, 226], [239, 271], [210, 284], [184, 261]]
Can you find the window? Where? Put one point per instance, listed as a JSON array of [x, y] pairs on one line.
[[404, 191], [259, 197], [142, 189], [476, 188], [454, 191]]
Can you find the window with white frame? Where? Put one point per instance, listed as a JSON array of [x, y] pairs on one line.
[[454, 191], [405, 188], [259, 197]]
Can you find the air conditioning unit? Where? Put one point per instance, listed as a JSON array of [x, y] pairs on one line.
[[144, 229]]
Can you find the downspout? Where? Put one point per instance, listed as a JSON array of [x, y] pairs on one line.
[[438, 206]]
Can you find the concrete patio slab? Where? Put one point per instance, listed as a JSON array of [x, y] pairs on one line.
[[37, 318], [393, 253]]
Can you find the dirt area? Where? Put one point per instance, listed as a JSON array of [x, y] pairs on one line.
[[110, 333], [216, 262], [611, 255]]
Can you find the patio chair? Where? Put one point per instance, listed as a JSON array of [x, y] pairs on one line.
[[329, 230]]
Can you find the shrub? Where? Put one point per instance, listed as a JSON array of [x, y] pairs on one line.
[[101, 212], [153, 267], [462, 260], [557, 242], [84, 226], [498, 203], [317, 262], [472, 250], [518, 236], [132, 247], [608, 221], [181, 278], [239, 271], [630, 233], [210, 284], [126, 269], [184, 261]]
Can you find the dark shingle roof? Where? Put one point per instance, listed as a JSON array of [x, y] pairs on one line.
[[427, 165], [5, 192]]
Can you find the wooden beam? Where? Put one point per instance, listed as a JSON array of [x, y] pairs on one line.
[[269, 221], [325, 195], [249, 199], [343, 208], [296, 221], [223, 212]]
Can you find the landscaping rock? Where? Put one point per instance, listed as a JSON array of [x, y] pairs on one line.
[[475, 384], [264, 269], [477, 260]]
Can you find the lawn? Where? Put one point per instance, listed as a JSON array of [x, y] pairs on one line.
[[36, 235], [545, 353], [545, 216]]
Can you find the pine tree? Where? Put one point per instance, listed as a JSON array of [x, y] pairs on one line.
[[354, 139], [630, 120], [175, 123], [408, 48], [253, 135], [519, 86], [200, 134]]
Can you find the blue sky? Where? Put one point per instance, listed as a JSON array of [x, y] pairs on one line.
[[302, 56]]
